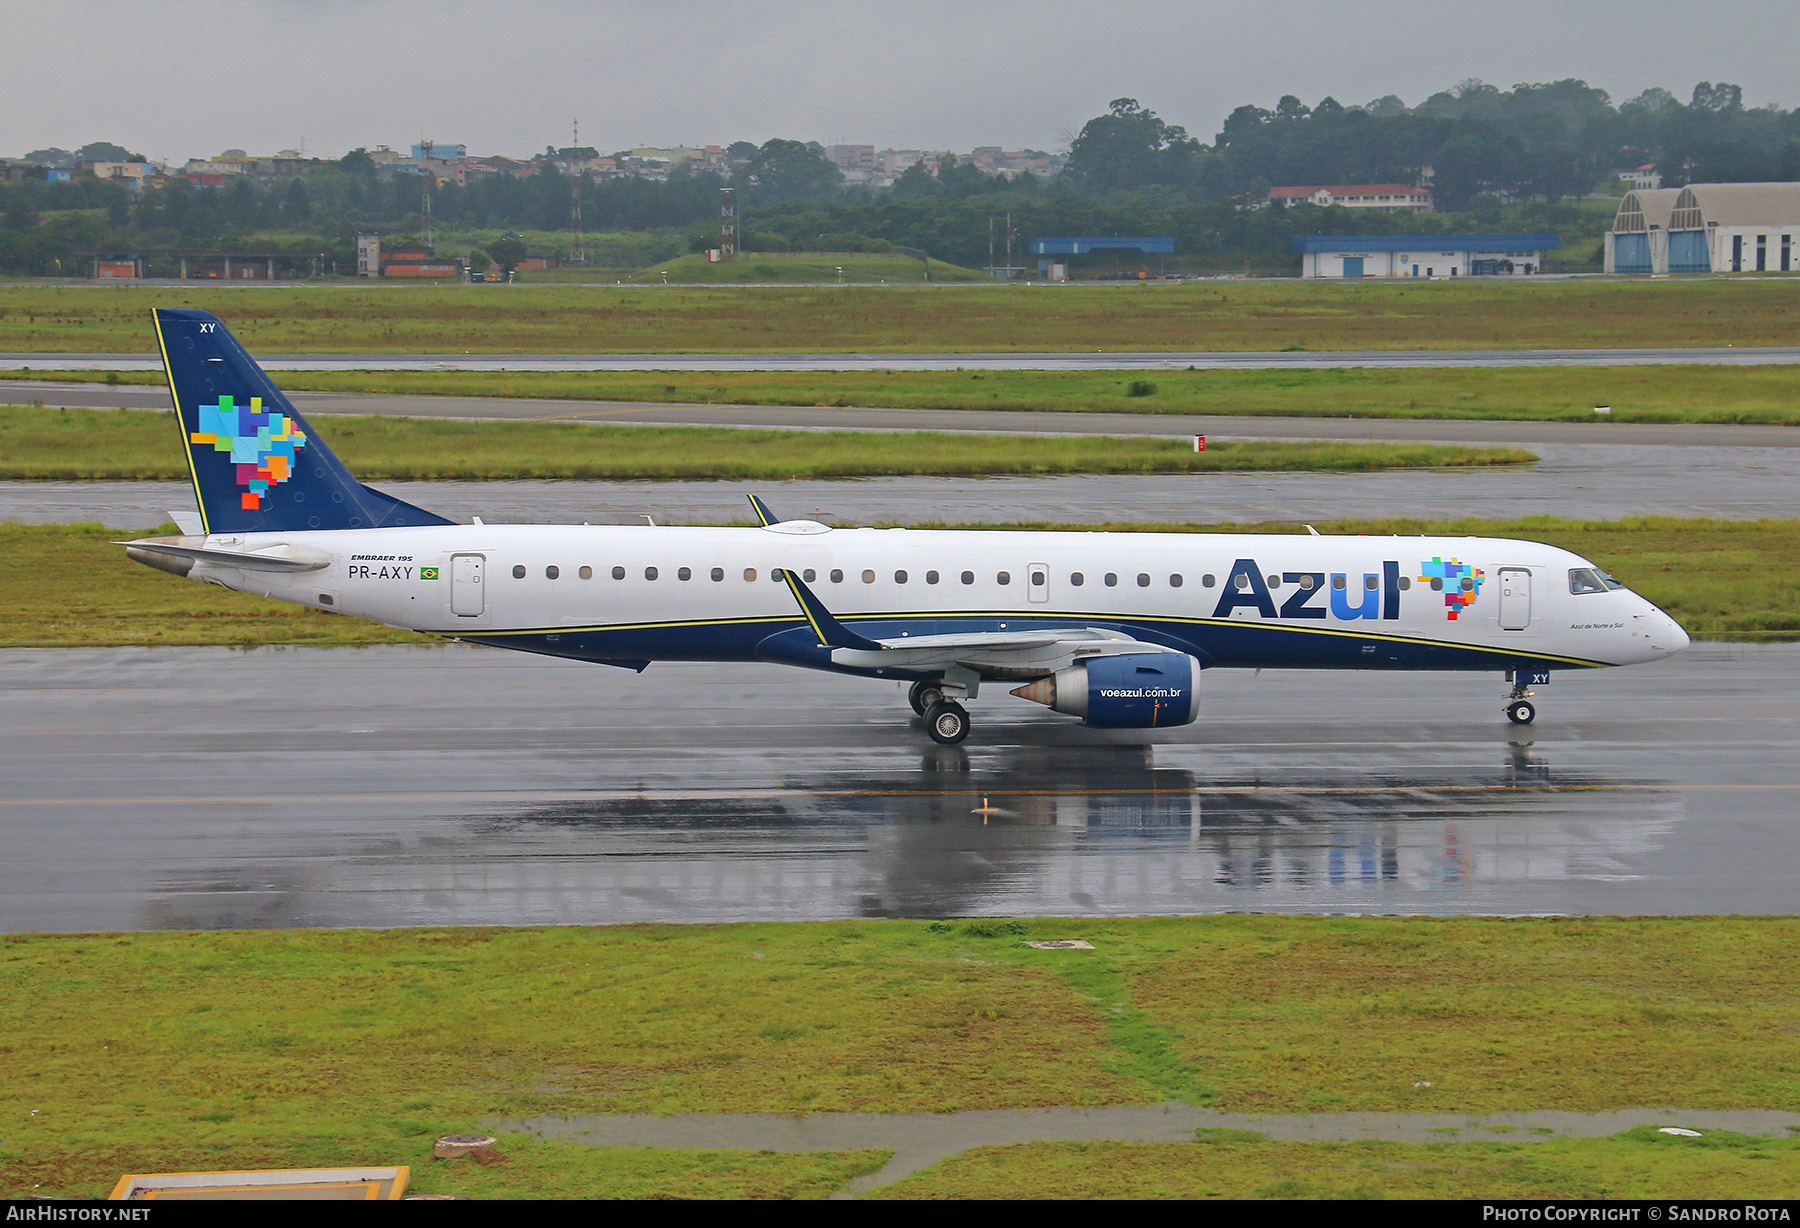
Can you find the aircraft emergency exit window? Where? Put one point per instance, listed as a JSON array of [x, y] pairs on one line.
[[1374, 582], [749, 573], [649, 573], [931, 577], [686, 573], [1583, 580], [809, 575], [968, 577], [899, 577], [1004, 577], [1076, 579], [518, 571], [837, 575], [1175, 581], [1037, 579], [586, 572], [718, 574], [868, 576], [618, 573], [552, 571], [1143, 579], [1112, 579]]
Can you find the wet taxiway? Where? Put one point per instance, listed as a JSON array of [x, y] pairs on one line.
[[1578, 481], [178, 788]]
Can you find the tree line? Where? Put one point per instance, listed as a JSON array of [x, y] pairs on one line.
[[1482, 149]]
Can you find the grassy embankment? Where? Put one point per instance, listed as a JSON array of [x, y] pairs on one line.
[[1476, 314], [1734, 580], [135, 445], [178, 1050]]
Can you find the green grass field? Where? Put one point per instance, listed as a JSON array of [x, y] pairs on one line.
[[1640, 1164], [1673, 393], [901, 319], [136, 445], [158, 1050], [1722, 579]]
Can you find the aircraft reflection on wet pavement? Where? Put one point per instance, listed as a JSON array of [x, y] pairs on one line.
[[1109, 838]]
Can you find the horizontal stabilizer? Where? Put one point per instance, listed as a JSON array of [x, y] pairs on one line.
[[179, 555]]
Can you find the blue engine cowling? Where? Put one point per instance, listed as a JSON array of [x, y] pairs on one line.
[[1137, 690]]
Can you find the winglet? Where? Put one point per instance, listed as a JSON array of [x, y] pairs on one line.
[[763, 513], [831, 633]]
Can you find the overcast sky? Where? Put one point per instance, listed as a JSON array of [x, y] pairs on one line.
[[183, 78]]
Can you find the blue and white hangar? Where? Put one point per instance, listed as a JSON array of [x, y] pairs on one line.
[[1353, 256], [1706, 228]]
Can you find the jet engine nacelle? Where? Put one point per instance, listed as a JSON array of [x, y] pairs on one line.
[[1134, 690]]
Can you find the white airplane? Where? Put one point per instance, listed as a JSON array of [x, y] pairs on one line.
[[1114, 628]]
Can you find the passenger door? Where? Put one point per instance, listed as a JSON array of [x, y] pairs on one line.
[[1515, 598], [467, 591]]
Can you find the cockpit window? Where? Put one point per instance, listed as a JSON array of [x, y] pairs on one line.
[[1591, 580]]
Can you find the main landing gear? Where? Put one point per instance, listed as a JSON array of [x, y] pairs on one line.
[[1519, 709], [945, 720]]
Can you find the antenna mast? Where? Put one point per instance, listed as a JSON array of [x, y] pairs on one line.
[[577, 255], [428, 182]]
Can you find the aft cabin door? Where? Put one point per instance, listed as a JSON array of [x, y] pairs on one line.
[[1515, 599], [467, 592]]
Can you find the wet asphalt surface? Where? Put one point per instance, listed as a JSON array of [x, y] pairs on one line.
[[203, 788]]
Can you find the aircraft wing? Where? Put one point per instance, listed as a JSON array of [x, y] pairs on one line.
[[1047, 649], [1042, 648]]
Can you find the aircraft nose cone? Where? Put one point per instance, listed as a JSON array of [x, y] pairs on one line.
[[1676, 636]]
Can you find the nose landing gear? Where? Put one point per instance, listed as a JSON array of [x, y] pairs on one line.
[[1519, 708]]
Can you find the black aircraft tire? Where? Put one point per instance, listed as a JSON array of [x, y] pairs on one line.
[[923, 695], [947, 722], [1521, 713]]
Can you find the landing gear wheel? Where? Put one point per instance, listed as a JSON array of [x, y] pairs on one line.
[[947, 722], [1521, 712], [923, 695]]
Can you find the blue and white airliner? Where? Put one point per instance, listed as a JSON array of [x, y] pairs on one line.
[[1113, 628]]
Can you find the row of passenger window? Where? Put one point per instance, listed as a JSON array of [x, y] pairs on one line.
[[1305, 579]]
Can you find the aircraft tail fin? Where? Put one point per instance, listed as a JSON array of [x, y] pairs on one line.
[[257, 466]]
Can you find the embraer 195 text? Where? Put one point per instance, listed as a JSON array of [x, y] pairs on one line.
[[1114, 628]]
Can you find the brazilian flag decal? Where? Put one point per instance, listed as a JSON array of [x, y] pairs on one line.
[[427, 573]]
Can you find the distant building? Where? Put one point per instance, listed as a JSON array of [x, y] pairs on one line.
[[1357, 256], [1706, 228], [1392, 197], [137, 175], [1641, 178], [1053, 253]]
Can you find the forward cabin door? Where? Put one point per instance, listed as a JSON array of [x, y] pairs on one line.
[[1515, 598], [468, 595]]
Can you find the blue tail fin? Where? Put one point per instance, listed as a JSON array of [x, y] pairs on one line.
[[257, 466]]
